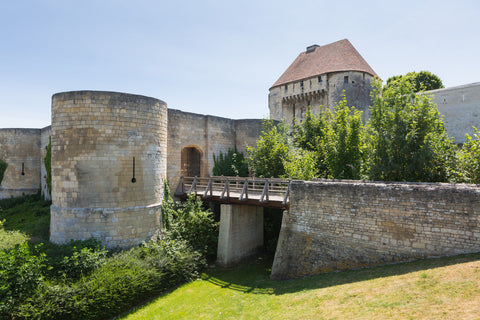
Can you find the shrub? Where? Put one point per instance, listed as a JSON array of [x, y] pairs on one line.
[[232, 163], [74, 259], [3, 167], [127, 278], [21, 272], [469, 159], [190, 222]]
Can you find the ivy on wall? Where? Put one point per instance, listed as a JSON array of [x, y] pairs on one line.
[[48, 164], [3, 167]]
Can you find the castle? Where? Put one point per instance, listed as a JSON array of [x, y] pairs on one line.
[[317, 78], [112, 152]]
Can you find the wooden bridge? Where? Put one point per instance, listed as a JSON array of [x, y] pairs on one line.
[[271, 192]]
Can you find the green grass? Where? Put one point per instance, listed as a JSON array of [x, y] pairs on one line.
[[28, 215], [447, 288]]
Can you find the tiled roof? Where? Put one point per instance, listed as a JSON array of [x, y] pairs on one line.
[[333, 57]]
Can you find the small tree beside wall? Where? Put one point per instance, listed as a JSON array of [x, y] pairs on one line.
[[3, 167]]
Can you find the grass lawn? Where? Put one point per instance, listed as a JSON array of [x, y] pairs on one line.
[[29, 215], [447, 288]]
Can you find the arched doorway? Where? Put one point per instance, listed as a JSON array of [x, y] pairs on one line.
[[191, 162]]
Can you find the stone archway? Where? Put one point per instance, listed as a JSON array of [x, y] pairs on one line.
[[191, 161]]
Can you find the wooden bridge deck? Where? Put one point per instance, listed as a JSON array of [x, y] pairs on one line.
[[273, 193]]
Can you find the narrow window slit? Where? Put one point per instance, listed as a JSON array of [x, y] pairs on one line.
[[133, 179]]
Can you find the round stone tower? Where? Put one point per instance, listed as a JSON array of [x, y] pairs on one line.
[[108, 167]]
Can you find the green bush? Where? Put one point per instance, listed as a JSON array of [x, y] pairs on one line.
[[3, 167], [124, 280], [189, 221], [232, 163], [469, 159], [75, 259], [21, 272]]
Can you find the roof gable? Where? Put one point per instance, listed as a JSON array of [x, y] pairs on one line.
[[317, 60]]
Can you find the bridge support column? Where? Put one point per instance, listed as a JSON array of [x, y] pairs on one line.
[[240, 234]]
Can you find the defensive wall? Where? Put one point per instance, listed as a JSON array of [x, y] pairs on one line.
[[23, 150], [193, 140], [460, 107], [337, 225]]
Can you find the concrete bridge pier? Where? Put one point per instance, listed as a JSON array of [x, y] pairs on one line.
[[240, 234]]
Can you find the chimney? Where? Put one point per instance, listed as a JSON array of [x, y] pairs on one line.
[[312, 48]]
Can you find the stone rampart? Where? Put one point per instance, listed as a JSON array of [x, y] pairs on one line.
[[20, 148], [108, 166], [460, 107], [337, 225], [209, 135]]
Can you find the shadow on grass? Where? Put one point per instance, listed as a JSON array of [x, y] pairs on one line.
[[254, 277]]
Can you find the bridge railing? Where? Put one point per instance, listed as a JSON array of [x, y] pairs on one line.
[[225, 188]]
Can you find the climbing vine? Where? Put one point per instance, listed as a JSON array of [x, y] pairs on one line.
[[3, 167], [48, 164]]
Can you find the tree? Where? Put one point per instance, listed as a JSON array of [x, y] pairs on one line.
[[337, 138], [3, 168], [267, 158], [469, 159], [421, 81], [232, 163], [345, 142], [409, 142]]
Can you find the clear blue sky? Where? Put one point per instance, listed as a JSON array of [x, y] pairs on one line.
[[214, 57]]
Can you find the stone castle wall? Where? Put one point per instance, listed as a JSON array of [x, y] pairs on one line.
[[292, 100], [337, 225], [460, 107], [208, 134], [108, 166], [20, 148]]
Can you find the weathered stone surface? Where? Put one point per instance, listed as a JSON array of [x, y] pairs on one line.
[[460, 108], [240, 234], [337, 225], [20, 148], [209, 135], [100, 142]]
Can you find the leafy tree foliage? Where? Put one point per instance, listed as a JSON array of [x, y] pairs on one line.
[[232, 163], [190, 222], [420, 81], [344, 142], [337, 138], [3, 167], [267, 158], [469, 159], [300, 164], [409, 142]]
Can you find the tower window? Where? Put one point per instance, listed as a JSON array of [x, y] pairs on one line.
[[286, 88], [319, 79], [345, 79]]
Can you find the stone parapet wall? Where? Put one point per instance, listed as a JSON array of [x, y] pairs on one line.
[[338, 225], [20, 148]]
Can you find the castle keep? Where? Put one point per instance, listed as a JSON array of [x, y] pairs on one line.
[[317, 78]]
